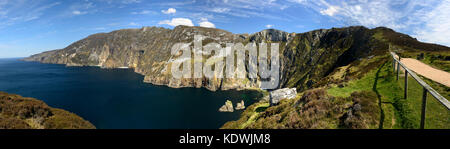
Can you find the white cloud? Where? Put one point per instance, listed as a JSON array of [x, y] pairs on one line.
[[81, 8], [13, 12], [362, 12], [169, 11], [176, 3], [437, 25], [99, 28], [143, 12], [77, 12], [427, 20], [133, 24], [268, 9], [298, 1], [252, 4], [330, 11], [269, 26], [205, 23], [177, 21], [220, 10], [131, 1]]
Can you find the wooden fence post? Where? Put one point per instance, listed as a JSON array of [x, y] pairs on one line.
[[424, 108], [393, 65], [406, 84], [398, 69]]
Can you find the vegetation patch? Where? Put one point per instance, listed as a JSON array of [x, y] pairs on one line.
[[315, 109], [17, 112]]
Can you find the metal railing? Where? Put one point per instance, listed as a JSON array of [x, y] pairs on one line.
[[426, 88]]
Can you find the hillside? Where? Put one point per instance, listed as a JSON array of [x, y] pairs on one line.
[[361, 95], [17, 112]]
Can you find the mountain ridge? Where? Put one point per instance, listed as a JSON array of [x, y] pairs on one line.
[[305, 57]]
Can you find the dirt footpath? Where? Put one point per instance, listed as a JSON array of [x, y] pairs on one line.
[[427, 71]]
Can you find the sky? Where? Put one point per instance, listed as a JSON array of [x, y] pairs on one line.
[[32, 26]]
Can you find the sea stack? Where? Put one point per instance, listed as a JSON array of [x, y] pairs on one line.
[[240, 105], [228, 107]]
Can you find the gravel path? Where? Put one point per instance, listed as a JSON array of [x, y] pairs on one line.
[[427, 71]]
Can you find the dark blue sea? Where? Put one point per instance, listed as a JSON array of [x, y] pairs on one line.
[[117, 98]]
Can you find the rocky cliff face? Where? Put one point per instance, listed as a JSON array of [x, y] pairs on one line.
[[305, 57]]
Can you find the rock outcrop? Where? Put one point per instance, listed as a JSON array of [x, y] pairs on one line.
[[280, 94], [17, 112], [228, 107], [240, 105]]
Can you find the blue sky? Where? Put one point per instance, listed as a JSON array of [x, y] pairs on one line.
[[33, 26]]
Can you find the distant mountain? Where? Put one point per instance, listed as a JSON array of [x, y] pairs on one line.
[[306, 58], [17, 112]]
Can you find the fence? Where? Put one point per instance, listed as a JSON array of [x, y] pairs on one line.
[[426, 88]]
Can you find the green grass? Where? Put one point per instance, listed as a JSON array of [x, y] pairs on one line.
[[258, 109], [396, 111], [437, 116], [248, 116], [381, 81], [364, 84]]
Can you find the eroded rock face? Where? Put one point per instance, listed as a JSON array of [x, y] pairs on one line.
[[272, 35], [305, 58], [228, 107], [280, 94]]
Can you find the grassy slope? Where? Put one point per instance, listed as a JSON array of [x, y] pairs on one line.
[[17, 112], [399, 112], [380, 82]]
